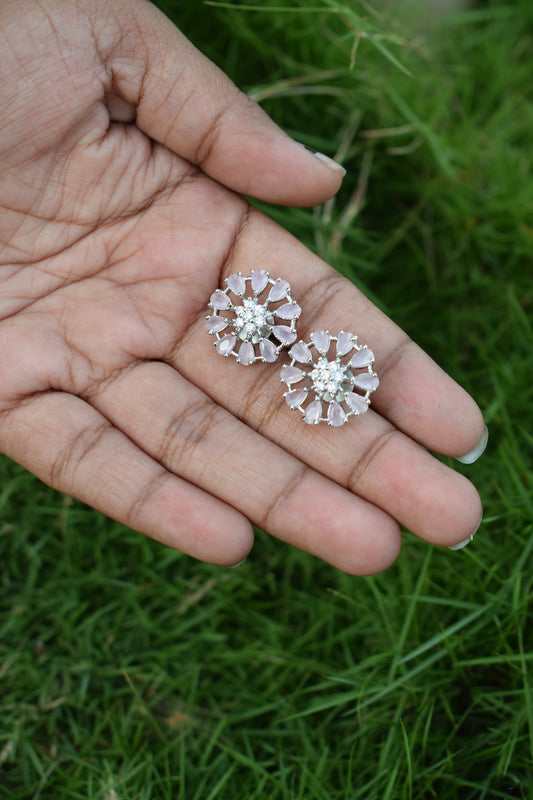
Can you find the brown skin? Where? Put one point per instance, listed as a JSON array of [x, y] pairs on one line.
[[122, 153]]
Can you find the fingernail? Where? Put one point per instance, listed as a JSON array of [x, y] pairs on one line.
[[478, 450], [238, 564], [460, 545], [329, 162]]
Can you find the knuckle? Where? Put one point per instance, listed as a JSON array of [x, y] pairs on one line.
[[70, 458], [359, 471], [186, 431], [282, 499]]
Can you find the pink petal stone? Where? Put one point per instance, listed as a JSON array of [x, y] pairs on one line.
[[236, 283], [279, 290], [321, 340], [219, 300], [363, 358], [344, 343], [356, 403], [291, 374], [226, 344], [300, 352], [336, 415], [288, 311], [215, 324], [284, 334], [268, 350], [295, 398], [259, 280], [367, 381], [313, 412], [246, 354]]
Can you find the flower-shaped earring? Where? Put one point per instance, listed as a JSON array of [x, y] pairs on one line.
[[249, 323], [338, 388]]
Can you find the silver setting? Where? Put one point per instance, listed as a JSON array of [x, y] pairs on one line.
[[325, 388], [253, 318]]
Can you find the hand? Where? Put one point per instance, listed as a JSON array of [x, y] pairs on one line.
[[122, 150]]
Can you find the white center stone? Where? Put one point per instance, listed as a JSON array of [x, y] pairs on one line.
[[328, 378], [252, 320]]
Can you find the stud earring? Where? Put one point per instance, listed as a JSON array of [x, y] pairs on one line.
[[338, 387], [253, 318]]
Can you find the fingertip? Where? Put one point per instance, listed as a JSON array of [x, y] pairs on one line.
[[464, 542], [478, 449], [328, 162], [255, 157], [461, 518], [225, 540], [370, 545], [382, 551]]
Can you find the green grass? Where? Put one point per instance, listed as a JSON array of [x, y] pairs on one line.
[[128, 671]]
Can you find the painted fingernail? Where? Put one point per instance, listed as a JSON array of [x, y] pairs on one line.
[[460, 545], [326, 160], [478, 450]]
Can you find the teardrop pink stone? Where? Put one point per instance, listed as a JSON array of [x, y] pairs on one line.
[[215, 324], [367, 381], [246, 354], [284, 334], [226, 344], [236, 283], [288, 311], [363, 358], [344, 343], [291, 374], [300, 352], [313, 412], [268, 351], [219, 300], [295, 398], [356, 403], [336, 415], [259, 280], [279, 291], [321, 340]]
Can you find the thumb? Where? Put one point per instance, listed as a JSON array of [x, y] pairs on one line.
[[187, 103]]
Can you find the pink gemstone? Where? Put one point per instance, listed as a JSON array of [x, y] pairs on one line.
[[288, 311], [321, 340], [356, 403], [300, 352], [215, 324], [284, 334], [279, 290], [363, 358], [219, 300], [246, 354], [336, 415], [291, 374], [344, 343], [226, 344], [295, 398], [313, 412], [259, 280], [236, 283], [367, 381], [268, 350]]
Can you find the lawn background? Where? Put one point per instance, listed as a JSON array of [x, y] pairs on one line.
[[130, 671]]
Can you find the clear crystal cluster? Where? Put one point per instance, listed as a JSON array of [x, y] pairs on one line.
[[252, 321], [330, 389], [253, 318]]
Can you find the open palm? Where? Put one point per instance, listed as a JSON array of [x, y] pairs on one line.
[[122, 153]]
